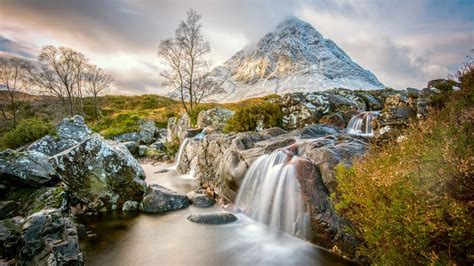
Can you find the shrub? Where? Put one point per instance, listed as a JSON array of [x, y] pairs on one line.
[[110, 127], [247, 118], [411, 202], [28, 130], [172, 147]]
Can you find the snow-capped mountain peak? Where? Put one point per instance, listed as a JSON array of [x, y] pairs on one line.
[[294, 57]]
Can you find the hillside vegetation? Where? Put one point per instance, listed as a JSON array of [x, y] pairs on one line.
[[412, 202]]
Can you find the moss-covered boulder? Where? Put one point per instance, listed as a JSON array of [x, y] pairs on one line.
[[103, 175]]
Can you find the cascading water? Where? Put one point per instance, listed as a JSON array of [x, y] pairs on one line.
[[360, 124], [181, 150], [270, 194]]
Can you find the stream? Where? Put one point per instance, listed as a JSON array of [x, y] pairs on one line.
[[170, 239]]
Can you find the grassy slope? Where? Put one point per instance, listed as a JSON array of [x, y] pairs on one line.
[[412, 202]]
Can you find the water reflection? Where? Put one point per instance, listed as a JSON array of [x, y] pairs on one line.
[[139, 239]]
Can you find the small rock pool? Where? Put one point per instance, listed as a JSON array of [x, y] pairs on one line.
[[170, 239]]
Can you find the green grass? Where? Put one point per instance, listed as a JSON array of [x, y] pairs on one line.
[[28, 130]]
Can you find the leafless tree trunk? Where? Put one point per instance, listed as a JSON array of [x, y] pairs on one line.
[[16, 82], [185, 56], [97, 83]]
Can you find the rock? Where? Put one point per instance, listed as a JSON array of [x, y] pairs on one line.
[[336, 119], [27, 168], [200, 198], [142, 149], [10, 232], [158, 145], [103, 175], [131, 206], [178, 128], [212, 218], [126, 137], [30, 200], [73, 128], [159, 199], [48, 238], [215, 118], [51, 145], [147, 131], [301, 109], [132, 147], [9, 209]]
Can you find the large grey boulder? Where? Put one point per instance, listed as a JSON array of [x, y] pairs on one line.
[[27, 168], [147, 132], [103, 175], [73, 128], [215, 118], [213, 218], [48, 238], [159, 199], [50, 145]]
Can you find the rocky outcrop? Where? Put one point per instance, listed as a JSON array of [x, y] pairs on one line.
[[48, 238], [103, 175], [126, 137], [221, 161], [301, 109], [212, 218], [215, 118], [8, 209], [159, 199], [27, 168]]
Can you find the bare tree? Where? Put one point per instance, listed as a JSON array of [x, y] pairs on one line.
[[185, 56], [15, 79], [59, 73], [97, 83]]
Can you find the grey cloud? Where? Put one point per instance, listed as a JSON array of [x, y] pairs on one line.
[[401, 49], [12, 47]]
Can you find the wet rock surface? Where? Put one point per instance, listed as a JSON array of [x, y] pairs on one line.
[[212, 218], [200, 198], [159, 199]]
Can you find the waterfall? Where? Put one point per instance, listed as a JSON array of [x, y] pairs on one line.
[[270, 194], [360, 124], [181, 150], [183, 145]]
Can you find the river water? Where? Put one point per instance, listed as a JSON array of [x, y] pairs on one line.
[[170, 239]]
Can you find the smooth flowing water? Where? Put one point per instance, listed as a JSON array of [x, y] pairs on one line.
[[360, 124], [270, 194], [170, 239]]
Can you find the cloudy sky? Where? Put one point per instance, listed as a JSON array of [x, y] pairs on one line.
[[403, 42]]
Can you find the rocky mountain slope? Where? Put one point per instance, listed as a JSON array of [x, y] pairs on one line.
[[293, 58]]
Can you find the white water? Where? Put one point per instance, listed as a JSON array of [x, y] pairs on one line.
[[360, 124], [270, 194], [180, 151]]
